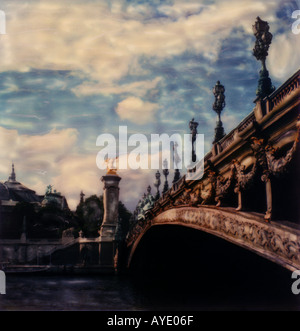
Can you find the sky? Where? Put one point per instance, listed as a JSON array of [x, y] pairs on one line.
[[72, 70]]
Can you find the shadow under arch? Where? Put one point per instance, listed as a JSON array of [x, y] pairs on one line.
[[275, 241], [178, 267]]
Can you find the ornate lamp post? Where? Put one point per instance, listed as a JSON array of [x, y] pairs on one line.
[[260, 51], [148, 190], [82, 195], [166, 174], [193, 127], [218, 107], [176, 160], [157, 184], [176, 176]]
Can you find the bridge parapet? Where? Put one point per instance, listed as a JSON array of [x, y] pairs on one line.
[[284, 93]]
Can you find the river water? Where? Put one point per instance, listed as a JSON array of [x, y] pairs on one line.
[[68, 293], [112, 293]]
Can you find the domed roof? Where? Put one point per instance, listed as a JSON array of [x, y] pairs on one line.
[[14, 185], [13, 190]]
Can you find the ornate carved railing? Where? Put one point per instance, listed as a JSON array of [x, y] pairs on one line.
[[230, 138], [285, 90], [246, 122], [227, 141]]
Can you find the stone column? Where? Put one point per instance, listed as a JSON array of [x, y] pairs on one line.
[[107, 245], [267, 180]]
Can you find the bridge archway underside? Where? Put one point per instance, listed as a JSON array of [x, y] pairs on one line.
[[278, 242]]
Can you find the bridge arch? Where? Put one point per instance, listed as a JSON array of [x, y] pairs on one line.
[[276, 242]]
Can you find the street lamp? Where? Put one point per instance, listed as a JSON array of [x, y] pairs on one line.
[[218, 107], [157, 184], [176, 160], [260, 51], [166, 174], [193, 128]]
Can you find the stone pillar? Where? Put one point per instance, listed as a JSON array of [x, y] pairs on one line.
[[240, 201], [107, 246], [258, 111], [268, 215]]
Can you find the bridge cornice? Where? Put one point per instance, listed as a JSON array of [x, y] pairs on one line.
[[278, 242]]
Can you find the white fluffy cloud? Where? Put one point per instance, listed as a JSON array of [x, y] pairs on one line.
[[36, 157], [52, 159], [138, 89], [105, 42], [283, 59], [77, 173], [180, 9], [47, 148], [136, 110]]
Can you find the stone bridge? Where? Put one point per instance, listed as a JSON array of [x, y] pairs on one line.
[[250, 192]]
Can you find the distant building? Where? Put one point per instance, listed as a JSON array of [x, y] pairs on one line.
[[12, 192], [54, 198], [46, 225]]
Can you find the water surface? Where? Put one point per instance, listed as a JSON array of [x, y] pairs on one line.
[[112, 293]]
